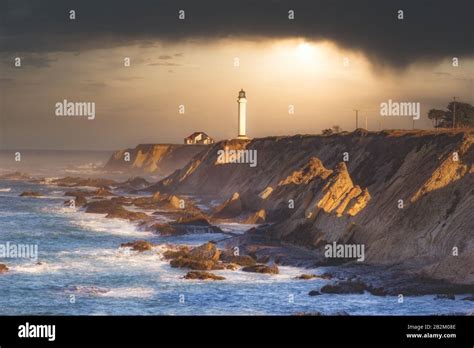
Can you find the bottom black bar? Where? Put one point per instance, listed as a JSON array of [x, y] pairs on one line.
[[296, 330]]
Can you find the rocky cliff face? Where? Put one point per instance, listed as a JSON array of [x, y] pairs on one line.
[[158, 159], [408, 197]]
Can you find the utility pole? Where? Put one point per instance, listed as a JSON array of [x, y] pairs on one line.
[[357, 118], [366, 125], [454, 112]]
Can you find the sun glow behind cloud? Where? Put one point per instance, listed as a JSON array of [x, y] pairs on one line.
[[324, 83]]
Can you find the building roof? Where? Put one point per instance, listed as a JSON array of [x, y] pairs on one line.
[[195, 134]]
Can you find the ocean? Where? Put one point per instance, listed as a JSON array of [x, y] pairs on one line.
[[81, 270]]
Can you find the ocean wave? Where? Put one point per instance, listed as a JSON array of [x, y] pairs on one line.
[[36, 268], [95, 223], [6, 189], [235, 227], [124, 292], [99, 223]]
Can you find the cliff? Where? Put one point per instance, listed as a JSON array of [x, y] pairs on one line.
[[158, 159], [407, 196]]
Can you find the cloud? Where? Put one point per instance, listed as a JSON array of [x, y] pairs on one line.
[[430, 30], [165, 57], [28, 59], [164, 64]]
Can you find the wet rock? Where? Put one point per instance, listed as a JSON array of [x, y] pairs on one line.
[[241, 260], [138, 245], [325, 276], [132, 184], [445, 297], [314, 293], [377, 291], [200, 265], [207, 251], [345, 287], [31, 194], [102, 207], [202, 258], [202, 276], [230, 208], [3, 268], [259, 268], [174, 254], [468, 298], [15, 176], [122, 213], [76, 181], [231, 266], [186, 225], [306, 276], [79, 201], [257, 218]]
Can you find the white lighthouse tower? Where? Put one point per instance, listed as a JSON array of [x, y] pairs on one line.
[[242, 101]]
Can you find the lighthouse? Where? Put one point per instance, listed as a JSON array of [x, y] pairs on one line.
[[242, 102]]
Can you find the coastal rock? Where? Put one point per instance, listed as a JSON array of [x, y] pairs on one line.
[[102, 207], [345, 287], [159, 159], [200, 265], [133, 184], [306, 276], [207, 251], [257, 218], [259, 268], [3, 268], [230, 208], [15, 176], [138, 245], [241, 260], [186, 225], [314, 293], [79, 201], [201, 258], [122, 213], [76, 181], [445, 297], [181, 251], [200, 275], [115, 210], [468, 298], [31, 194], [354, 201]]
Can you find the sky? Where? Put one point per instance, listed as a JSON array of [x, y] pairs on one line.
[[333, 57]]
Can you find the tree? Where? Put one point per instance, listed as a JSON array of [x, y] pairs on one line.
[[336, 129], [463, 114], [436, 115], [327, 131]]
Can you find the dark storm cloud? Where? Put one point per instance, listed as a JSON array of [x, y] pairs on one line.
[[432, 29], [28, 59]]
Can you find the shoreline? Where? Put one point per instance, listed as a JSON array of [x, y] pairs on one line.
[[390, 280]]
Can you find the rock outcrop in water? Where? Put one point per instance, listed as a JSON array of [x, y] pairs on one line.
[[158, 159], [407, 196]]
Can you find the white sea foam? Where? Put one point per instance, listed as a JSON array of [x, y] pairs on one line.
[[6, 189], [135, 292], [121, 292], [99, 223], [36, 268], [236, 227]]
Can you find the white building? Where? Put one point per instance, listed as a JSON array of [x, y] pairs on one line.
[[242, 102], [198, 138]]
